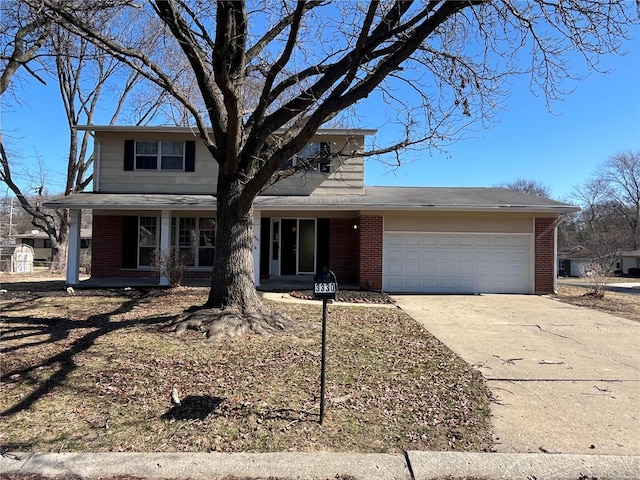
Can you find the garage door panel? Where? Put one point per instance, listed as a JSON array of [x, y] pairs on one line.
[[457, 263], [466, 241], [395, 241], [429, 269], [447, 256], [430, 241], [413, 255], [449, 241], [394, 255], [413, 269], [412, 240], [466, 256], [391, 269], [522, 242]]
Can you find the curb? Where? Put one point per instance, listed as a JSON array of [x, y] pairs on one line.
[[413, 465]]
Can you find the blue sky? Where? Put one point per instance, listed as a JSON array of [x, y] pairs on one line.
[[560, 149]]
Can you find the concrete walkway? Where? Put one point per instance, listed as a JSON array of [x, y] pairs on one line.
[[565, 379]]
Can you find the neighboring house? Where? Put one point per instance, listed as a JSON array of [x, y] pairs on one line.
[[579, 262], [154, 187], [42, 244], [631, 260]]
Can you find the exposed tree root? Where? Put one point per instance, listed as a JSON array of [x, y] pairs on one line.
[[216, 323]]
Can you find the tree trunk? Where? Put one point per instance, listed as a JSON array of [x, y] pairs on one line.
[[234, 306], [59, 256], [60, 242], [232, 282]]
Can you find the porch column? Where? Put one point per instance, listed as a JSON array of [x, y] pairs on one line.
[[256, 247], [165, 245], [555, 259], [73, 251]]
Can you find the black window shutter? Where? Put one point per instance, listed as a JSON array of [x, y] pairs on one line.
[[129, 242], [325, 157], [129, 154], [190, 156]]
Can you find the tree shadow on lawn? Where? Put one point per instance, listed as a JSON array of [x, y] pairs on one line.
[[199, 407], [58, 329], [21, 328], [193, 407]]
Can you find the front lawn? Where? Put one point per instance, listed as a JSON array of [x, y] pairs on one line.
[[93, 371]]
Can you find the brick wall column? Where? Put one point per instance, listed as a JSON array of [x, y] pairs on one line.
[[106, 246], [344, 252], [545, 248], [370, 230]]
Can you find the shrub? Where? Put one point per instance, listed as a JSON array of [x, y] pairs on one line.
[[173, 263]]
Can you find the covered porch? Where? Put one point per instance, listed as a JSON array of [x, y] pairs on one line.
[[285, 283]]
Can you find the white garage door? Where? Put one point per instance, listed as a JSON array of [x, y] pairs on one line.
[[460, 263]]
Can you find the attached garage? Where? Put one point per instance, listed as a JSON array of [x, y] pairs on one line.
[[418, 262]]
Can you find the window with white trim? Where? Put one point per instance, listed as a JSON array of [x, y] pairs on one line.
[[159, 155], [315, 156], [148, 240], [195, 240], [192, 237]]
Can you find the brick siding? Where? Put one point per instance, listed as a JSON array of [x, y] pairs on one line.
[[370, 229], [106, 246], [544, 255], [344, 254], [106, 252]]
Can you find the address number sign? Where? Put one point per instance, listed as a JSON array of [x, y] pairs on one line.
[[325, 285]]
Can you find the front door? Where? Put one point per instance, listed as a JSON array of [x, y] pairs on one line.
[[297, 246], [288, 246]]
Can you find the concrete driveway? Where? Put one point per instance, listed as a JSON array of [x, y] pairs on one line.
[[565, 379]]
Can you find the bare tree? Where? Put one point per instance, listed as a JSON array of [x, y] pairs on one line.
[[621, 173], [23, 32], [610, 200], [312, 60], [532, 187], [84, 75]]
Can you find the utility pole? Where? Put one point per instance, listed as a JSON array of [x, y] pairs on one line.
[[11, 216]]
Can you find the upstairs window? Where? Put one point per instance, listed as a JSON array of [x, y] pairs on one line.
[[159, 155], [314, 156]]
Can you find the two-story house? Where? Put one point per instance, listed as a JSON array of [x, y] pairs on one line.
[[154, 190]]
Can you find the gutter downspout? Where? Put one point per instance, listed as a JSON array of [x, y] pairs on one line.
[[96, 167]]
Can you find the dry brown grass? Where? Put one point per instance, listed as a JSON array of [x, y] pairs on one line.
[[624, 305], [93, 371]]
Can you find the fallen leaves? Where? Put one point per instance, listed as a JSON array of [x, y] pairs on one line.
[[390, 385]]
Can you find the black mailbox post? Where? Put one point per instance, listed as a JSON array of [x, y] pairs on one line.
[[325, 287]]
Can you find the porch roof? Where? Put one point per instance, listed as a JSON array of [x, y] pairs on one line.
[[373, 198]]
